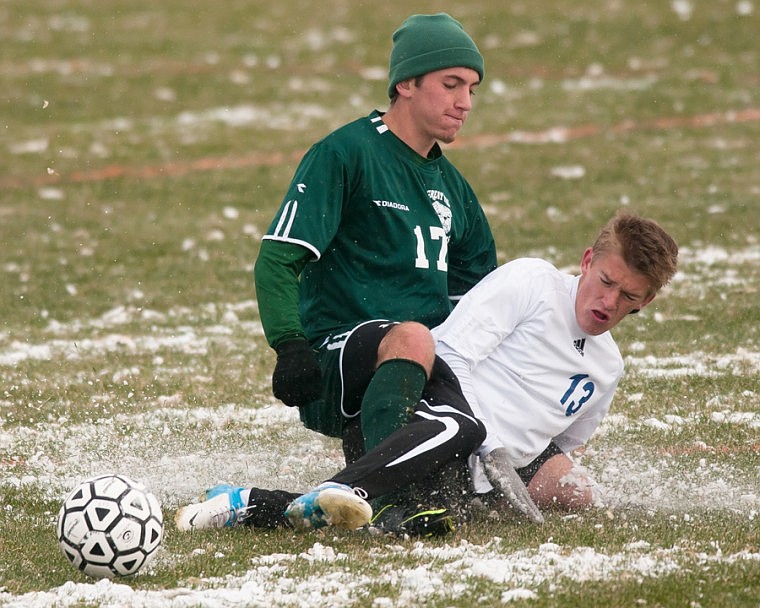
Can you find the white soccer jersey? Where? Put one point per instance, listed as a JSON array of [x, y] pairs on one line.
[[526, 367]]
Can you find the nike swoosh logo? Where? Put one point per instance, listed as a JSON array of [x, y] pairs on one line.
[[192, 520], [451, 428]]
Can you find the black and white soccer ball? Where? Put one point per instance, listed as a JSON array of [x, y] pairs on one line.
[[110, 526]]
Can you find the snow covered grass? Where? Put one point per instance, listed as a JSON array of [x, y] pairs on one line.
[[145, 149], [152, 394]]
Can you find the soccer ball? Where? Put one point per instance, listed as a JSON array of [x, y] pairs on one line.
[[110, 526]]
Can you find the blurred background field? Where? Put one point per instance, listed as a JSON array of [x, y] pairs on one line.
[[145, 147]]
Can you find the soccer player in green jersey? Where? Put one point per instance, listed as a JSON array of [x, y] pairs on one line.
[[377, 236]]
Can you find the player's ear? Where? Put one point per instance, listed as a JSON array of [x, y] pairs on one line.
[[643, 304], [586, 260], [404, 88]]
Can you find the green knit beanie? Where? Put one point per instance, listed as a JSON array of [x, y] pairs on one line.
[[426, 43]]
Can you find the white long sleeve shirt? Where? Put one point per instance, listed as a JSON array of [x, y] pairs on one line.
[[526, 367]]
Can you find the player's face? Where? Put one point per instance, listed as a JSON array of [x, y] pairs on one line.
[[608, 290], [442, 101]]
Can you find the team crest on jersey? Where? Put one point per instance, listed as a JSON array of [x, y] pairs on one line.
[[442, 208]]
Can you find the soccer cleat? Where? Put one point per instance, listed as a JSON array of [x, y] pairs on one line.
[[330, 504], [219, 506], [414, 520]]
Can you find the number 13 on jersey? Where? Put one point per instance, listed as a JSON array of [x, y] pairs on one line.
[[577, 394]]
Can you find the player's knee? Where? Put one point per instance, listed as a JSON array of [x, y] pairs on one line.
[[473, 430], [561, 485], [469, 435], [482, 433], [409, 340], [578, 490]]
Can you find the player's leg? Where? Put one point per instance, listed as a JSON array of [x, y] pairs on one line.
[[404, 363], [418, 474], [441, 429], [226, 505], [383, 367], [323, 505], [405, 471], [349, 364], [440, 436], [378, 369]]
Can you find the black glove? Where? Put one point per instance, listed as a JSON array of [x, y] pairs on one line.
[[297, 377]]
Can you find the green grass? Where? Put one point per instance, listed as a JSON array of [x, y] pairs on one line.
[[145, 149]]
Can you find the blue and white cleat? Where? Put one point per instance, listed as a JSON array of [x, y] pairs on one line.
[[330, 504], [219, 507]]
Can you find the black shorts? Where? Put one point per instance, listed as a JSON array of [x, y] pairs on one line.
[[527, 473], [348, 361]]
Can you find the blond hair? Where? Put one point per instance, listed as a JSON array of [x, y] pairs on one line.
[[644, 246]]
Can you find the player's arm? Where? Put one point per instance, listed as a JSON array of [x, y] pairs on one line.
[[276, 275], [474, 255], [297, 378]]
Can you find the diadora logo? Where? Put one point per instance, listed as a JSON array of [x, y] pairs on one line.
[[579, 345], [391, 205]]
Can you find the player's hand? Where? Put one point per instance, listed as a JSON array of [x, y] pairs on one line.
[[505, 479], [297, 377]]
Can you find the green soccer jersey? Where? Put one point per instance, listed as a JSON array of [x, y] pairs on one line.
[[393, 235]]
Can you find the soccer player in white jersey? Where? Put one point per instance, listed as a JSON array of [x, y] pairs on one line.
[[530, 348], [533, 352]]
